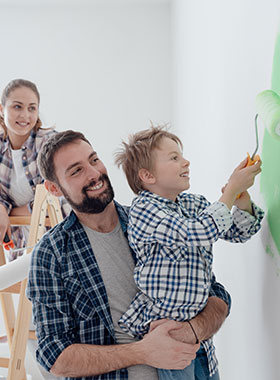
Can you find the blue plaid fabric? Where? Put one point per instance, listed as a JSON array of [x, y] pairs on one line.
[[173, 243], [70, 303]]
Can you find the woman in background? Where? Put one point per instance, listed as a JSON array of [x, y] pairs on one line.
[[21, 138]]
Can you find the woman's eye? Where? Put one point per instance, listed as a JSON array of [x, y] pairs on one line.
[[175, 158], [32, 109]]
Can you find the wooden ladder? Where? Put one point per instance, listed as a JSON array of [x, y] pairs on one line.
[[46, 212]]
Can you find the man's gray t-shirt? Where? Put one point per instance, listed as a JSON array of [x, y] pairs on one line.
[[116, 266]]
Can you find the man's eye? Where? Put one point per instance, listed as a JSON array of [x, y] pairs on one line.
[[95, 159], [75, 171]]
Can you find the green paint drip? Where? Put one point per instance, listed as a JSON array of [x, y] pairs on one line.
[[270, 178], [269, 251]]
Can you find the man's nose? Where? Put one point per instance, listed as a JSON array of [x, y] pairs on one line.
[[93, 173]]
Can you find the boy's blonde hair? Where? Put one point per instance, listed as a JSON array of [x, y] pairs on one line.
[[138, 153]]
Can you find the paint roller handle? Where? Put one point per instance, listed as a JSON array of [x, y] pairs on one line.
[[8, 243], [250, 161]]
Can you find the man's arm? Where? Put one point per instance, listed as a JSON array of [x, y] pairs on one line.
[[208, 321], [211, 318], [157, 349], [205, 324], [56, 325]]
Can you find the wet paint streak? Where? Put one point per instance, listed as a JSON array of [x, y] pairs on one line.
[[270, 177]]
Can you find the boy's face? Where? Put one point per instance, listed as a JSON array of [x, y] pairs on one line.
[[170, 170]]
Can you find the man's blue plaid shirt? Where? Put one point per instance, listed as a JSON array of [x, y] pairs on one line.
[[173, 243], [70, 303]]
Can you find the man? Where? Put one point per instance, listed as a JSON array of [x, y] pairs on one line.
[[81, 280]]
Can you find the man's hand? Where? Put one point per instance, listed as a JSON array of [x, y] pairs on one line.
[[164, 350], [182, 332], [156, 349]]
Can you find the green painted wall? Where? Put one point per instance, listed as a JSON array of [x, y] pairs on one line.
[[270, 178]]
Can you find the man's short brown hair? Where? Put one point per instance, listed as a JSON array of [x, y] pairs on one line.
[[138, 153], [52, 145]]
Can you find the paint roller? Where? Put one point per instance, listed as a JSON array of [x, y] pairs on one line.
[[268, 109]]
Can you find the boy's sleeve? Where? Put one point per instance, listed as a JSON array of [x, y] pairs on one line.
[[218, 290], [244, 224], [151, 223], [51, 308]]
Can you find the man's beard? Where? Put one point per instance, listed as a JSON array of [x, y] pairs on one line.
[[92, 205]]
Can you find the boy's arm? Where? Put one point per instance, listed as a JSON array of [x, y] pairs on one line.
[[245, 224]]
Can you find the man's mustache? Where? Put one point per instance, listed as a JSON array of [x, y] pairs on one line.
[[93, 183]]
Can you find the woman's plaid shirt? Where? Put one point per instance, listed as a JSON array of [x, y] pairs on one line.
[[173, 244], [30, 150]]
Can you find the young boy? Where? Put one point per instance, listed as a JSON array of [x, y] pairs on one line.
[[172, 234]]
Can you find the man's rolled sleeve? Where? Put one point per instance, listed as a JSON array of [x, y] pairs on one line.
[[51, 309], [49, 349], [218, 290]]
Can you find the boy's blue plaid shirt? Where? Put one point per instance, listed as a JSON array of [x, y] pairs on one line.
[[70, 303], [173, 243]]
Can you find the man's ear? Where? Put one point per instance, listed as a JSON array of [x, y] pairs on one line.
[[146, 176], [53, 188]]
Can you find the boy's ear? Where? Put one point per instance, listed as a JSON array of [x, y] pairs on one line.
[[146, 176], [53, 188]]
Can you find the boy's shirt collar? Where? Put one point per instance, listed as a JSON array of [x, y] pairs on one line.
[[160, 199]]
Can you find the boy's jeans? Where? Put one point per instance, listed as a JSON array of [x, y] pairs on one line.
[[197, 370]]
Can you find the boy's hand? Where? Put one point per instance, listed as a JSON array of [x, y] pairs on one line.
[[243, 202], [242, 178]]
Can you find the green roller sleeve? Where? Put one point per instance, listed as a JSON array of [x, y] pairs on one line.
[[268, 109]]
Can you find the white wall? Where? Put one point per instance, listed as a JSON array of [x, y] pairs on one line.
[[223, 52], [101, 66]]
